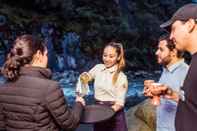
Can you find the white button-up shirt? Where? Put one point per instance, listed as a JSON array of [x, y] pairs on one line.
[[104, 89]]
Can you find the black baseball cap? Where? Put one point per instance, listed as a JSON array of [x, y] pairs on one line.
[[188, 11]]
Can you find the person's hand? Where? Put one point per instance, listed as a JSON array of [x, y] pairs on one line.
[[80, 99], [166, 92], [116, 107], [155, 92], [158, 89], [147, 88], [170, 94], [84, 77]]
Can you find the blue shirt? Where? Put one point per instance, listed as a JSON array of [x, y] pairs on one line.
[[174, 77]]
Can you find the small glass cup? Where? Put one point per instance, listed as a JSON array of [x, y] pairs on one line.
[[84, 78], [148, 86], [156, 97], [155, 100]]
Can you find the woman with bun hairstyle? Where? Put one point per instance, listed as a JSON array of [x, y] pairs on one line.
[[29, 100]]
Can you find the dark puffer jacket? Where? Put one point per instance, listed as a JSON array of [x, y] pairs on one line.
[[35, 103]]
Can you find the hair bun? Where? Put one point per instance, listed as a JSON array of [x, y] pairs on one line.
[[19, 51]]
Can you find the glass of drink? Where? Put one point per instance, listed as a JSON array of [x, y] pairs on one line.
[[156, 96], [84, 88], [149, 88], [84, 77]]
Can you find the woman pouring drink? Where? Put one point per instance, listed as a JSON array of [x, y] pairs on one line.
[[110, 86]]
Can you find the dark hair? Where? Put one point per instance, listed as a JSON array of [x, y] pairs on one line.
[[170, 44], [24, 47], [121, 59]]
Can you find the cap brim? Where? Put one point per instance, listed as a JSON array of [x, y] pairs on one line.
[[166, 24]]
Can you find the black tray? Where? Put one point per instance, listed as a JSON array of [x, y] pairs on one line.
[[96, 113]]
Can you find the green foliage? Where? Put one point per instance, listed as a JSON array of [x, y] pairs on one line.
[[98, 22]]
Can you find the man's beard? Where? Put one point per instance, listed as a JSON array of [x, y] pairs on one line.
[[165, 61]]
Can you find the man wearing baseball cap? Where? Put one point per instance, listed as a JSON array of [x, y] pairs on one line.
[[183, 32]]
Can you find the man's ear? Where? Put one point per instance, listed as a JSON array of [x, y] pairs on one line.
[[37, 55], [191, 25], [39, 52], [174, 52]]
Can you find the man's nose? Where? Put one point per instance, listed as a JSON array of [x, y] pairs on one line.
[[157, 52], [171, 36]]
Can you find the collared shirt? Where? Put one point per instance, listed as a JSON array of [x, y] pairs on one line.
[[104, 89], [174, 77]]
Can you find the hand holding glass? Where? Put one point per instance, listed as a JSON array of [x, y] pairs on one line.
[[84, 79], [149, 87]]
